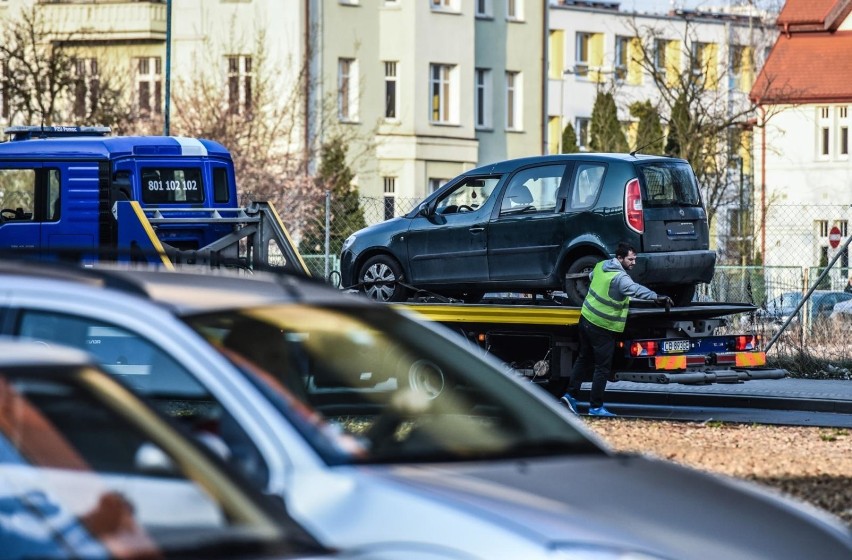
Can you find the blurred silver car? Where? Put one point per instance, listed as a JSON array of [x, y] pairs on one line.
[[87, 470], [377, 428]]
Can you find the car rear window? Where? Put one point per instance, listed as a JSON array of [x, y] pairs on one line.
[[669, 184], [162, 185]]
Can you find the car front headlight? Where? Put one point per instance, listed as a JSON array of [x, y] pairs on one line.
[[348, 243], [595, 552]]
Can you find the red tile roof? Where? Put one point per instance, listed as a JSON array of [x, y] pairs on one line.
[[813, 15], [805, 11], [807, 68]]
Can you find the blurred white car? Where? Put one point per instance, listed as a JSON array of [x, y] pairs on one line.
[[377, 429]]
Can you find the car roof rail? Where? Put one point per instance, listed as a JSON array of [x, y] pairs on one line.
[[28, 132]]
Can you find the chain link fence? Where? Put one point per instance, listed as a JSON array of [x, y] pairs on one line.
[[796, 243]]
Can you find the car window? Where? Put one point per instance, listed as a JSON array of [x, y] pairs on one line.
[[152, 372], [88, 471], [17, 194], [70, 462], [533, 190], [367, 385], [587, 184], [669, 184], [468, 196]]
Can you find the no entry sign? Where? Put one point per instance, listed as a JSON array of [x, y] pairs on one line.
[[834, 237]]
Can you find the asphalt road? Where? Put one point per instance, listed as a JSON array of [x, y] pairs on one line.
[[795, 402]]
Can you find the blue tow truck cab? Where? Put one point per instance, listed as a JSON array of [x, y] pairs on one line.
[[59, 186]]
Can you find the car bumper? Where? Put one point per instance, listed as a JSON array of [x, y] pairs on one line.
[[680, 267]]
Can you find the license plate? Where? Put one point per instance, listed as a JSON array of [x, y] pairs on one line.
[[675, 346]]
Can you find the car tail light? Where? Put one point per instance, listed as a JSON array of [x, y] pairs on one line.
[[643, 348], [633, 206]]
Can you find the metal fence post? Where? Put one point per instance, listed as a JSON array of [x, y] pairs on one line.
[[327, 232]]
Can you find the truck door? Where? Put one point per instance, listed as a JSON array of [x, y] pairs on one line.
[[20, 222], [526, 234]]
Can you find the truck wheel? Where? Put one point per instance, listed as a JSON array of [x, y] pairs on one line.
[[379, 279], [577, 278]]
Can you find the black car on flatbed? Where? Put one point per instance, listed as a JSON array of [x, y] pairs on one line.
[[539, 225]]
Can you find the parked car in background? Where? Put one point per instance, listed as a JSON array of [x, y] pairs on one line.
[[818, 309], [540, 225], [377, 429]]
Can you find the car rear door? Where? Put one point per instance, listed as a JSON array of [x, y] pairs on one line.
[[675, 219]]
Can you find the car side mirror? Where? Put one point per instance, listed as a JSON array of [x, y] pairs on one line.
[[425, 209]]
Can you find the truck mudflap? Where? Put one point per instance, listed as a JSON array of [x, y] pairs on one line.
[[701, 377]]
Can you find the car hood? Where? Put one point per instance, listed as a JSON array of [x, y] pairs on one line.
[[505, 509]]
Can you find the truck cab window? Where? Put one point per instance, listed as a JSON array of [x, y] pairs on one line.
[[17, 194]]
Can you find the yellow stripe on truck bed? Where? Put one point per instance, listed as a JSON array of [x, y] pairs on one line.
[[514, 314]]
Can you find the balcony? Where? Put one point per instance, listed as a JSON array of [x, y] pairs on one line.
[[93, 21]]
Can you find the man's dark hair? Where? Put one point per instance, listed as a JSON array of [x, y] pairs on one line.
[[623, 248]]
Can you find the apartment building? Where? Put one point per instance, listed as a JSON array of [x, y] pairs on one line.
[[595, 46], [438, 86], [802, 147]]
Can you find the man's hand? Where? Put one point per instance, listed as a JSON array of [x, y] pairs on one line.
[[665, 301]]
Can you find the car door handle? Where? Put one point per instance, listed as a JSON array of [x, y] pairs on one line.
[[477, 229]]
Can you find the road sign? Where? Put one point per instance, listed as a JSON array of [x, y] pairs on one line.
[[834, 237]]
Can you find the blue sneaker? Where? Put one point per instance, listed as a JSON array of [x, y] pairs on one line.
[[570, 402], [600, 411]]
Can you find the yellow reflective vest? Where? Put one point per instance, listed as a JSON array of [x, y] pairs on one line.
[[600, 309]]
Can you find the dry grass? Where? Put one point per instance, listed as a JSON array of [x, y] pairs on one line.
[[811, 464]]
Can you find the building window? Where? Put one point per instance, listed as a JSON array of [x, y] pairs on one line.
[[700, 62], [660, 47], [4, 90], [822, 226], [390, 90], [445, 5], [844, 140], [581, 58], [347, 89], [436, 183], [513, 101], [514, 10], [482, 101], [581, 126], [823, 133], [390, 197], [442, 93], [622, 49], [86, 86], [483, 8], [149, 84], [240, 77]]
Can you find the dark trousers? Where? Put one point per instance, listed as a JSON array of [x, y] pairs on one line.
[[597, 347]]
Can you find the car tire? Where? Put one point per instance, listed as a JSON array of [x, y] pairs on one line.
[[577, 288], [380, 278]]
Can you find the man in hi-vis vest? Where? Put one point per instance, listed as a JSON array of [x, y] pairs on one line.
[[602, 319]]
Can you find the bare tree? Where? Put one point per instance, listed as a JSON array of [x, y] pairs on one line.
[[705, 118], [43, 77], [265, 132]]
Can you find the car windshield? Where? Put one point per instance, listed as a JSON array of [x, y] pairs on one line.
[[785, 303], [371, 385], [669, 184]]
